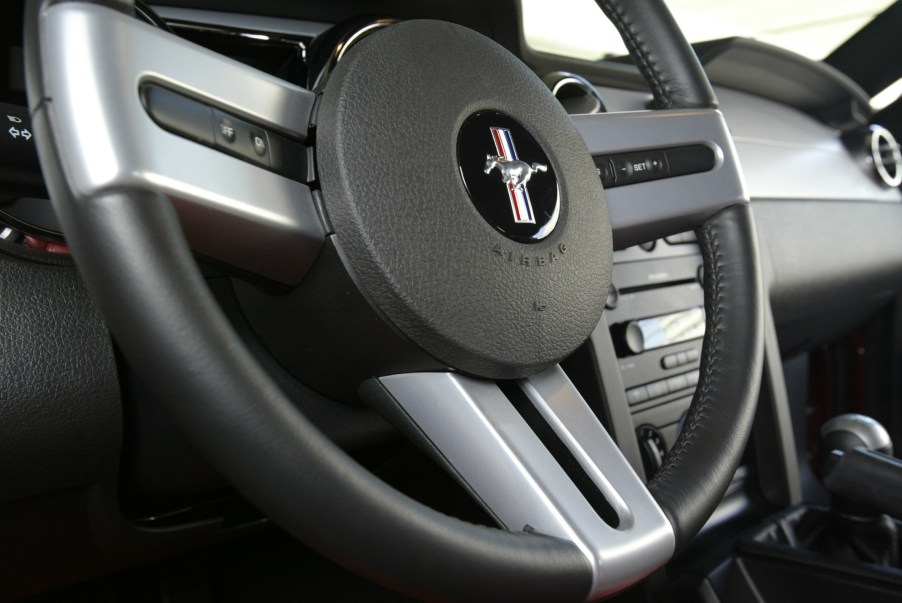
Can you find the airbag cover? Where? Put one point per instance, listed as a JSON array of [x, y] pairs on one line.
[[387, 141]]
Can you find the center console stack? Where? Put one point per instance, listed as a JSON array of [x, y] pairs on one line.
[[656, 317]]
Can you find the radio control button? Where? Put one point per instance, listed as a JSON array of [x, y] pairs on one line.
[[670, 361], [636, 395], [657, 389], [677, 383]]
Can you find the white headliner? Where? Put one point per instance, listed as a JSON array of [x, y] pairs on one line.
[[812, 28]]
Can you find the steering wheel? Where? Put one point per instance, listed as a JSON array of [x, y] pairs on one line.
[[461, 202]]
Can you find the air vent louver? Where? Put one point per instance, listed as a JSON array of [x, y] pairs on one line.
[[885, 155], [575, 93]]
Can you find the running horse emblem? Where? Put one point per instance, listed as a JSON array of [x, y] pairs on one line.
[[514, 173]]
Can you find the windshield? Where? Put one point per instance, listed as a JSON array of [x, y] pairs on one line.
[[812, 28]]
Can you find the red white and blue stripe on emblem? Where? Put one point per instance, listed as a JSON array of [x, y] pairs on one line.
[[519, 198]]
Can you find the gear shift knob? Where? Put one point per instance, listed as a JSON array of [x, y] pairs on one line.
[[865, 483], [845, 432], [859, 469]]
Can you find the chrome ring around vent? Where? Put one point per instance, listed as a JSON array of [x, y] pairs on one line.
[[575, 93], [885, 155]]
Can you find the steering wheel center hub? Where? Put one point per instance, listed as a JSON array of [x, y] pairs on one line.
[[464, 201]]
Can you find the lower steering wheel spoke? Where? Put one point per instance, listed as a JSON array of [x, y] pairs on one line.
[[678, 169], [223, 141], [535, 456]]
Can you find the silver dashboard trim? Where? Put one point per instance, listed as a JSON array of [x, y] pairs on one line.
[[96, 59], [494, 452]]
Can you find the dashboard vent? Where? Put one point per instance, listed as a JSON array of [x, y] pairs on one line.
[[575, 93], [885, 155]]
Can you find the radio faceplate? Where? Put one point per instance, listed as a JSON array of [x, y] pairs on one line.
[[655, 315]]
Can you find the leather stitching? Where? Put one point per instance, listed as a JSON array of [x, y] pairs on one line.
[[638, 50], [697, 417]]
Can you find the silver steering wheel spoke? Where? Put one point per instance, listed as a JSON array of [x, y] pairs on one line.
[[214, 155], [514, 447], [680, 168]]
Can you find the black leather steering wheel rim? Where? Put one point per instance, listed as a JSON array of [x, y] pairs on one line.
[[167, 323]]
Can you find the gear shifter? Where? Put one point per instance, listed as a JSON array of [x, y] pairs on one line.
[[845, 432], [858, 468], [863, 480]]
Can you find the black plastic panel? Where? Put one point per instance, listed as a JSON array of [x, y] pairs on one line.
[[60, 394], [828, 264]]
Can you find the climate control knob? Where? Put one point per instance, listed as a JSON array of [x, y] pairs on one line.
[[652, 448]]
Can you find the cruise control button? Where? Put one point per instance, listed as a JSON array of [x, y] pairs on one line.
[[237, 137], [258, 141], [226, 129], [669, 361], [692, 378], [692, 355], [640, 167], [605, 171]]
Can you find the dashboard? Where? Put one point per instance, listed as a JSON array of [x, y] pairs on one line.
[[96, 478]]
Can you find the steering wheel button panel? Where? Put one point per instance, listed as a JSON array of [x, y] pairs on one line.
[[690, 138], [116, 138], [201, 123], [631, 168]]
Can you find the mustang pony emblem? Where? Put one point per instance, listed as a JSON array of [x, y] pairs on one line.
[[514, 173]]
